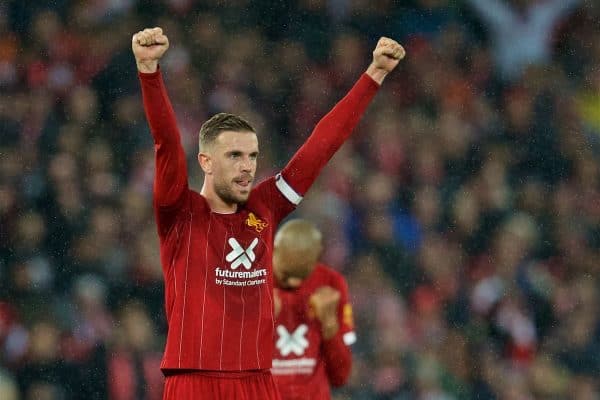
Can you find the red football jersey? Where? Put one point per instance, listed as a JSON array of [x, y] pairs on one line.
[[217, 267], [305, 366]]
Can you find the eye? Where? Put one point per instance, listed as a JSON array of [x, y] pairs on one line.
[[253, 156]]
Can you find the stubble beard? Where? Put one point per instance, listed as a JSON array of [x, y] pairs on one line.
[[225, 193]]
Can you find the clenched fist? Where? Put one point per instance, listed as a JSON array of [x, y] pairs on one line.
[[148, 47], [324, 302], [386, 56]]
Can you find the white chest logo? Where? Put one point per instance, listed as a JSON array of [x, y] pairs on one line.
[[294, 342], [240, 256]]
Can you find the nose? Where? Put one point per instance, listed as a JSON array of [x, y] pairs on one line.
[[246, 164]]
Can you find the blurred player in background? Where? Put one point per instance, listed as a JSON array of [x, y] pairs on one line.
[[216, 245], [313, 324]]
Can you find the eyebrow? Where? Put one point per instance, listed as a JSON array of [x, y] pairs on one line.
[[239, 152]]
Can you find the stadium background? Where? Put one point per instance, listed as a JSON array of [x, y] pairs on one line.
[[464, 212]]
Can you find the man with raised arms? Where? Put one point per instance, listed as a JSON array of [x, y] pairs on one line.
[[220, 327]]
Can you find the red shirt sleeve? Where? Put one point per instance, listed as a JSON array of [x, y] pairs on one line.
[[336, 351], [327, 137], [171, 178]]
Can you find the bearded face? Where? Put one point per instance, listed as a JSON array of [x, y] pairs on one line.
[[230, 165]]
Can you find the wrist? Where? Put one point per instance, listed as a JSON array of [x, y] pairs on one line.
[[329, 328], [147, 67], [377, 74]]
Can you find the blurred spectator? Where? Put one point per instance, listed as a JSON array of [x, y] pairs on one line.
[[8, 387], [44, 373], [133, 365], [521, 31]]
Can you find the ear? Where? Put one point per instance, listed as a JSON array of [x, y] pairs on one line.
[[205, 162]]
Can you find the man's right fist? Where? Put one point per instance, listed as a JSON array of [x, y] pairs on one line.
[[324, 302], [148, 47]]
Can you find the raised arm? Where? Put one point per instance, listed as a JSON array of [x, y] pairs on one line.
[[171, 179], [335, 127]]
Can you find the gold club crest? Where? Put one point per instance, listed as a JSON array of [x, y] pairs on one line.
[[256, 223]]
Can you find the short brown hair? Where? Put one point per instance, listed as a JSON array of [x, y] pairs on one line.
[[222, 122]]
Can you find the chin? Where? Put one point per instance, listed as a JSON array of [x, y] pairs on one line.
[[235, 199], [243, 196], [242, 199], [230, 196]]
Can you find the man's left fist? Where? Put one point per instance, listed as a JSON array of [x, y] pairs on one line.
[[387, 54]]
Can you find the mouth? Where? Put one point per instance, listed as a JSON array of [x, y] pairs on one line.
[[243, 183]]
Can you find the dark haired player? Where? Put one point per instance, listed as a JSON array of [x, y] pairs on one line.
[[216, 245]]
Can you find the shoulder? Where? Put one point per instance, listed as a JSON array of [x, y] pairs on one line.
[[267, 198], [263, 188], [198, 203]]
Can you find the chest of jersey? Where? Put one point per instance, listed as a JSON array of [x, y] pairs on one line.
[[219, 291], [297, 333], [240, 257], [234, 249]]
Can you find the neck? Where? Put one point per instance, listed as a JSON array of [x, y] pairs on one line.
[[216, 203]]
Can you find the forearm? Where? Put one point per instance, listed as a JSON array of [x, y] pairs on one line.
[[171, 170], [328, 136], [158, 109], [377, 74], [338, 359]]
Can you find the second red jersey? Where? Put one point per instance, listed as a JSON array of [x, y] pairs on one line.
[[305, 366]]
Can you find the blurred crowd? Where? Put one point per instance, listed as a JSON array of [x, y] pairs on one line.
[[464, 212]]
